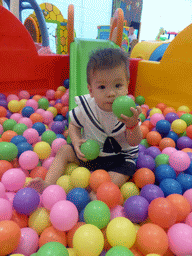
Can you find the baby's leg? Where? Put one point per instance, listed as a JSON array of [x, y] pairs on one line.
[[118, 178]]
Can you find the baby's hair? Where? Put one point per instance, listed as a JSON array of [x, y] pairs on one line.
[[102, 59]]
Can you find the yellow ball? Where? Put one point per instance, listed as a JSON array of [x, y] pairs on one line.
[[178, 126], [27, 180], [72, 252], [61, 88], [14, 106], [88, 240], [121, 231], [39, 220], [184, 108], [42, 149], [53, 111], [46, 126], [70, 168], [129, 189], [154, 111], [65, 182], [80, 177], [23, 103]]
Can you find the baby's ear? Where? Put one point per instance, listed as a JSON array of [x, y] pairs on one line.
[[90, 89]]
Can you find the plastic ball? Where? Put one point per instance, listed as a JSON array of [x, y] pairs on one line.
[[97, 178], [26, 121], [153, 138], [20, 128], [13, 179], [71, 233], [80, 177], [40, 127], [170, 186], [117, 211], [184, 142], [163, 126], [185, 180], [140, 100], [146, 161], [168, 150], [119, 250], [88, 240], [179, 161], [188, 196], [14, 106], [70, 168], [47, 162], [136, 209], [150, 192], [8, 151], [8, 135], [43, 103], [66, 83], [90, 149], [50, 94], [57, 127], [9, 124], [79, 197], [48, 136], [122, 105], [47, 117], [28, 160], [53, 249], [161, 159], [164, 171], [3, 111], [129, 189], [57, 144], [64, 215], [23, 146], [152, 151], [31, 135], [39, 171], [42, 149], [65, 182], [156, 117], [5, 209], [18, 139], [3, 103], [187, 118], [155, 111], [178, 126], [27, 111], [143, 176]]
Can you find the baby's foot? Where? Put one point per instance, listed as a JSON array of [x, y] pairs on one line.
[[38, 184]]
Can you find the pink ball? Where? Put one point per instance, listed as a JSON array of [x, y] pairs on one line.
[[28, 160], [1, 129], [57, 144], [16, 117], [6, 209], [180, 237], [47, 162], [40, 111], [65, 99], [179, 161], [156, 117], [117, 211], [47, 117], [145, 106], [28, 243], [50, 94], [32, 103], [10, 196], [27, 121], [24, 95], [13, 179], [131, 96], [51, 195], [188, 196], [2, 190], [64, 215], [188, 220], [12, 97], [169, 150], [26, 172], [31, 135]]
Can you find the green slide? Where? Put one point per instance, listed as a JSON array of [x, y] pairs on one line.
[[80, 51]]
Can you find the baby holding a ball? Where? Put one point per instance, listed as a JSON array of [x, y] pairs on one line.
[[98, 116]]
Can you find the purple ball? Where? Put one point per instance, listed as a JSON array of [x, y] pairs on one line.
[[184, 142], [148, 111], [142, 148], [150, 192], [103, 253], [2, 96], [3, 103], [58, 127], [136, 209], [58, 101], [153, 151], [190, 155], [65, 122], [26, 200], [146, 161], [9, 113], [170, 117], [154, 129]]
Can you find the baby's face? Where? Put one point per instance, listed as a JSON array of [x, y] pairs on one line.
[[107, 85]]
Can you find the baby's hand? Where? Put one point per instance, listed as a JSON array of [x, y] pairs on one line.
[[131, 121], [38, 184], [79, 154]]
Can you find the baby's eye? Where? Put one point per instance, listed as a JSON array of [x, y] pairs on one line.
[[101, 87], [118, 85]]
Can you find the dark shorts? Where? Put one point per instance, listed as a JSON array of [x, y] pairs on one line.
[[115, 163]]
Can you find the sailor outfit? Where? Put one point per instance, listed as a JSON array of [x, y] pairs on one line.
[[115, 153]]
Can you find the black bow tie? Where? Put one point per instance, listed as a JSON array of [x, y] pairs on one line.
[[111, 145]]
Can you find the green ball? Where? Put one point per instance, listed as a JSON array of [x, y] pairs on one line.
[[140, 100], [20, 128], [9, 124], [145, 143], [187, 118], [53, 249], [90, 149], [97, 213], [183, 134], [49, 137], [43, 103], [161, 159], [142, 117], [122, 105], [8, 151], [119, 250]]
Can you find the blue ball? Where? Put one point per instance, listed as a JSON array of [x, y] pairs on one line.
[[59, 118], [18, 139], [81, 216], [189, 169], [79, 197], [60, 136], [163, 127], [173, 136], [164, 171], [22, 147], [27, 111], [66, 83], [170, 186], [40, 127], [185, 180]]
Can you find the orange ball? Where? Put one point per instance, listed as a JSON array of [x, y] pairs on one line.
[[4, 166], [143, 176], [35, 118], [39, 171], [3, 111], [153, 138], [109, 193], [166, 142], [182, 206], [20, 219], [65, 133], [135, 251], [37, 97], [186, 150], [59, 94], [71, 233], [10, 234], [51, 234], [168, 110], [58, 106], [149, 125], [162, 212], [189, 131], [15, 163], [2, 120], [97, 178], [161, 106], [145, 130], [64, 110], [8, 135], [152, 239], [180, 113]]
